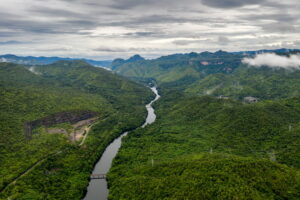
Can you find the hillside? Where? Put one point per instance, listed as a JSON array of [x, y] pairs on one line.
[[150, 100], [30, 94], [263, 83], [217, 74], [57, 119], [32, 60], [206, 176], [209, 148], [204, 147], [178, 68]]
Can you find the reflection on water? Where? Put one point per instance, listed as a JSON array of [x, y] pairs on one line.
[[151, 115], [97, 189]]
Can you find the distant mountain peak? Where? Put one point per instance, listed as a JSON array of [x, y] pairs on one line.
[[119, 61], [135, 58], [193, 54], [221, 52], [42, 60]]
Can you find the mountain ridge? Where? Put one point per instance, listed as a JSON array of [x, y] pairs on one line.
[[43, 60], [56, 96]]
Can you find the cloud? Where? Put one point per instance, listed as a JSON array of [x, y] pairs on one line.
[[32, 69], [11, 42], [3, 60], [126, 4], [280, 27], [130, 4], [143, 34], [184, 42], [57, 12], [120, 50], [223, 40], [297, 43], [111, 50], [282, 17], [156, 27], [230, 3], [274, 61]]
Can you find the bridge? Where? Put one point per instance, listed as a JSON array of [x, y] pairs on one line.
[[98, 176]]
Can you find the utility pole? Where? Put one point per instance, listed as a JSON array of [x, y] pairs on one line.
[[272, 156]]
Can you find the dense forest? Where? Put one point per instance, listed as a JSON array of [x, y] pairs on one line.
[[178, 68], [209, 148], [150, 100], [207, 142], [42, 60], [263, 83], [216, 74], [60, 168]]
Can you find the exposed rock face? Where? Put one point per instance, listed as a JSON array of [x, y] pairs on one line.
[[56, 130], [250, 99], [58, 118]]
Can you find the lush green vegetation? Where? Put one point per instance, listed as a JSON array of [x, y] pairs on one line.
[[264, 83], [219, 73], [200, 147], [178, 68], [205, 176], [209, 148], [61, 168]]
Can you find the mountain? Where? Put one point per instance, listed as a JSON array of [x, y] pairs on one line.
[[178, 67], [262, 83], [207, 141], [210, 148], [278, 51], [218, 74], [167, 69], [30, 60], [45, 112], [118, 62], [135, 58]]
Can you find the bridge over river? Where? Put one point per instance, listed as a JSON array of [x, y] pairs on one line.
[[98, 176], [98, 189]]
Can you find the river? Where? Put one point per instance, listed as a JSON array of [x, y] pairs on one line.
[[97, 189]]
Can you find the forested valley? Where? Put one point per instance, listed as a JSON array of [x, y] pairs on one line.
[[59, 167], [209, 142], [224, 129]]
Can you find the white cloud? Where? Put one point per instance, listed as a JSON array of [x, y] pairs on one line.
[[32, 69], [274, 61], [3, 60], [223, 40], [163, 26]]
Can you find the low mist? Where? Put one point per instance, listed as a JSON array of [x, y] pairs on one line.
[[32, 69], [274, 61], [3, 60]]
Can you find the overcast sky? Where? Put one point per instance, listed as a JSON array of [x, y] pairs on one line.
[[105, 29]]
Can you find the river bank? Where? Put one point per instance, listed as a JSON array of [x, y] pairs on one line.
[[97, 189]]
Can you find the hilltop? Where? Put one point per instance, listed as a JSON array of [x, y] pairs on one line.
[[49, 100], [218, 74], [209, 148], [41, 60], [207, 142]]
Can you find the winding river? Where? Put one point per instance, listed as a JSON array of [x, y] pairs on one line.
[[97, 189]]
